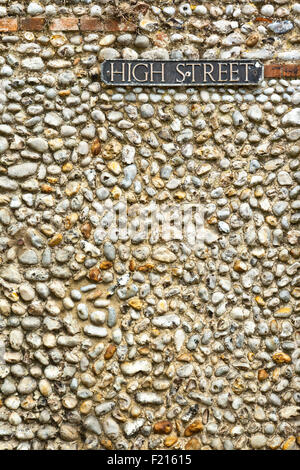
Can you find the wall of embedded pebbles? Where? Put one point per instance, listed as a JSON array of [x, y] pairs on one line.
[[115, 342]]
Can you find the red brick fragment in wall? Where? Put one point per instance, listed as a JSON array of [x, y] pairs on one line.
[[113, 25], [8, 24], [64, 24], [282, 71], [290, 70], [32, 24], [88, 23], [272, 71]]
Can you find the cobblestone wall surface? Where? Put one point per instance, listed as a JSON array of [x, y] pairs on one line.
[[137, 339]]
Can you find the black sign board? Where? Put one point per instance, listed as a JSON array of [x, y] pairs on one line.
[[121, 72]]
